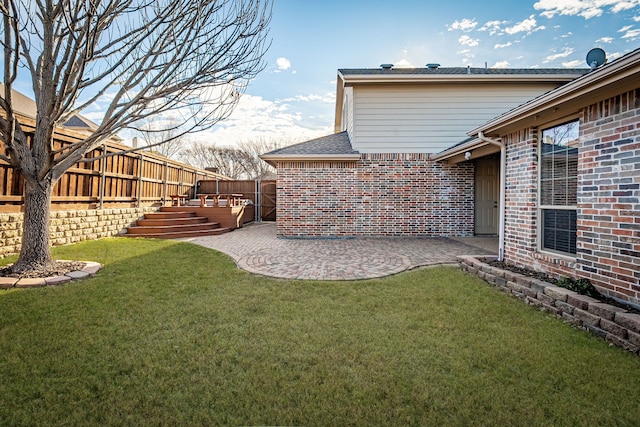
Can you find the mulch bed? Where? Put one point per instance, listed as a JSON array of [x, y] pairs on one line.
[[546, 278], [57, 268], [525, 272]]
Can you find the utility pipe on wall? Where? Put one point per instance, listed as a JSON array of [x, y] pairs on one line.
[[503, 184]]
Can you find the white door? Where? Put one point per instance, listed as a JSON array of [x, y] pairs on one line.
[[487, 195]]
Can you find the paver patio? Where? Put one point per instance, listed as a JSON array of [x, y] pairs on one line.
[[256, 248]]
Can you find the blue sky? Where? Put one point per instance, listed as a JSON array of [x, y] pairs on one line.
[[293, 98]]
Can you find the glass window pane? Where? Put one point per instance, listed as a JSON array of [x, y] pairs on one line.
[[559, 230], [559, 185]]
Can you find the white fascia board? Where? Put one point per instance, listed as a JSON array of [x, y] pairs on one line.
[[272, 158], [459, 149], [458, 78]]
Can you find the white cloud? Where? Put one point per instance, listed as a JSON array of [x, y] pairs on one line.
[[502, 46], [493, 27], [636, 18], [586, 8], [468, 41], [605, 40], [329, 97], [525, 26], [528, 25], [465, 25], [501, 64], [565, 53], [467, 56], [629, 32], [574, 64], [283, 63], [289, 120], [621, 5], [403, 63]]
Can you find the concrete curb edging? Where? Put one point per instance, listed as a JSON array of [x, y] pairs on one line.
[[90, 269], [615, 325]]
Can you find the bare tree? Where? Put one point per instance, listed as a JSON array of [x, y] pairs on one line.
[[256, 168], [227, 161], [148, 57], [241, 162], [162, 135]]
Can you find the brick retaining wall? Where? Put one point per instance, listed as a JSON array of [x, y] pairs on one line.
[[70, 226], [611, 323]]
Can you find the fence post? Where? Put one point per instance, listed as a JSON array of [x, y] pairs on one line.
[[139, 190], [258, 213], [166, 182], [181, 181], [103, 177]]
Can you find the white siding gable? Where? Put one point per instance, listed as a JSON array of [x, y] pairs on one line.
[[347, 111], [411, 118]]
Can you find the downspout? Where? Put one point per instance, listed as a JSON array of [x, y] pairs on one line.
[[503, 184]]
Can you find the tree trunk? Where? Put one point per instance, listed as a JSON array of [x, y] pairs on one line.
[[35, 252]]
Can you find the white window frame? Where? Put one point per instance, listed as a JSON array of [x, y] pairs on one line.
[[541, 207]]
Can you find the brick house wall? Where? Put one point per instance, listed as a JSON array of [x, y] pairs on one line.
[[608, 224], [609, 196], [316, 199], [521, 198], [380, 195]]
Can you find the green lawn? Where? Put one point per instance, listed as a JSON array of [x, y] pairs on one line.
[[169, 333]]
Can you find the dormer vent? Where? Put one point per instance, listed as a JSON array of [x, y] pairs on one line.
[[386, 66], [433, 66]]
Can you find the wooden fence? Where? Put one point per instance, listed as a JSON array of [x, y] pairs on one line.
[[113, 180], [261, 192]]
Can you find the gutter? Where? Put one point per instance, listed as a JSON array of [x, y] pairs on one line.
[[456, 150], [352, 79], [503, 183]]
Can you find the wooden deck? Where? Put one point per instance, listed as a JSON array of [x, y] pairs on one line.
[[231, 217], [172, 222]]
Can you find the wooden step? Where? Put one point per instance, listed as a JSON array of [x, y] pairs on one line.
[[171, 221], [169, 215], [182, 234], [174, 224], [147, 230]]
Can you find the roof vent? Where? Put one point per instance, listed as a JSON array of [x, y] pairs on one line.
[[386, 66], [433, 66]]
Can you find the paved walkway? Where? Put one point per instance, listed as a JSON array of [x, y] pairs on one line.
[[257, 249]]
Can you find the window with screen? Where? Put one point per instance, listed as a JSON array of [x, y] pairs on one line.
[[558, 187]]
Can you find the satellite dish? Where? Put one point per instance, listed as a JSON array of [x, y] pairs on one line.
[[596, 57]]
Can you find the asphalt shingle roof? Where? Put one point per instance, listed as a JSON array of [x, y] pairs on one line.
[[461, 71], [75, 121], [338, 143]]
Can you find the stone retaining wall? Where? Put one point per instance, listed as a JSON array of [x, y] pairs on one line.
[[70, 226], [613, 324]]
